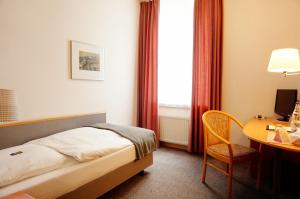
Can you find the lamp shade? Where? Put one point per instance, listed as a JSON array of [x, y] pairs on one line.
[[8, 110], [284, 60]]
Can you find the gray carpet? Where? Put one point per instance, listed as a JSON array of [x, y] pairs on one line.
[[176, 174]]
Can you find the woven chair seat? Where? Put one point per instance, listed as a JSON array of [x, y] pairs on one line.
[[237, 150]]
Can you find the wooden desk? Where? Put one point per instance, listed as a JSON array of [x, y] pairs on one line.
[[255, 130], [18, 195]]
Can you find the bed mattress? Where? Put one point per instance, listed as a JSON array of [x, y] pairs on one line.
[[71, 176]]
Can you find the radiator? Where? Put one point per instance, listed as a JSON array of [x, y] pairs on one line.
[[174, 130]]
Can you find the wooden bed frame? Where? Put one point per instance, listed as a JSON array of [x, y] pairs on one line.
[[16, 133]]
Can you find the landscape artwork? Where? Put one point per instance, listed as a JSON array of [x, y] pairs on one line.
[[87, 61]]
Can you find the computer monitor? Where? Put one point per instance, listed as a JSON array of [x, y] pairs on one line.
[[285, 103]]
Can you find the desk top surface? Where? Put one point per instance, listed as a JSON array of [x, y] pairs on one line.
[[255, 130]]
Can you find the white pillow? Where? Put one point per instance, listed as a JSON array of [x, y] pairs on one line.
[[28, 160]]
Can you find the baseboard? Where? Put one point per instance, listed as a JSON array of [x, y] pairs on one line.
[[172, 145]]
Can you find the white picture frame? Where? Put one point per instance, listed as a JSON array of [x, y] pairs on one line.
[[87, 61]]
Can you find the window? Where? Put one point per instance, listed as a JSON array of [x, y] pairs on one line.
[[175, 52]]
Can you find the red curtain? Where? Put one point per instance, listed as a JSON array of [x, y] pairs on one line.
[[207, 70], [147, 67]]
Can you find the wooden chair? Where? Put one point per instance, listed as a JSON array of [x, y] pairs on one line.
[[217, 126]]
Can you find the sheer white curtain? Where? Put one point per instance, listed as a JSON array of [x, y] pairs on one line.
[[175, 52]]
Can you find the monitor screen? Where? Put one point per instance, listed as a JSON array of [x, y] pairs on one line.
[[285, 101]]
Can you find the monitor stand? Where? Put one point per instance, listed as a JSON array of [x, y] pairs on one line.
[[284, 119]]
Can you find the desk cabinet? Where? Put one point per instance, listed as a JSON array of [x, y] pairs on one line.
[[290, 168]]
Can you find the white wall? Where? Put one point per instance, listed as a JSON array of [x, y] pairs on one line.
[[252, 29], [35, 56]]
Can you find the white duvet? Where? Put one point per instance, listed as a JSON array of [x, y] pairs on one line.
[[84, 143], [49, 153]]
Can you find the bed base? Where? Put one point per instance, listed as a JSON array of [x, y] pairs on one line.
[[109, 181]]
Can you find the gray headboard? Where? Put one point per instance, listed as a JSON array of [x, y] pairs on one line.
[[17, 133]]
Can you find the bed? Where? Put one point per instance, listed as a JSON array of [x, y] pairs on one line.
[[74, 180]]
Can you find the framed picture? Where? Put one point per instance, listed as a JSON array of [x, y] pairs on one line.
[[87, 61]]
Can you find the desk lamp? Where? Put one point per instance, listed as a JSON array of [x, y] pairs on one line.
[[285, 61], [8, 106]]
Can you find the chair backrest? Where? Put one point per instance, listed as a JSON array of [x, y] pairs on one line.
[[217, 122]]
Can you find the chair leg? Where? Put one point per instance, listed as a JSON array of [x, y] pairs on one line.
[[229, 193], [227, 168], [204, 167], [259, 167]]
